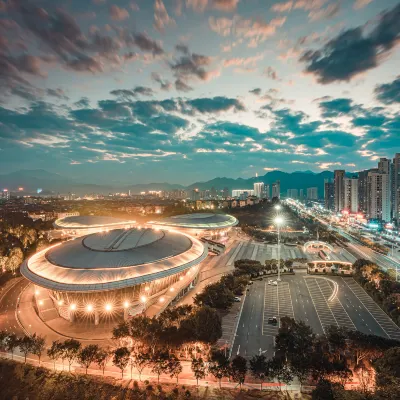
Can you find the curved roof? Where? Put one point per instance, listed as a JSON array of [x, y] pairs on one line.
[[113, 260], [198, 221], [90, 221]]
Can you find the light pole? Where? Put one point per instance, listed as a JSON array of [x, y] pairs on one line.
[[278, 222]]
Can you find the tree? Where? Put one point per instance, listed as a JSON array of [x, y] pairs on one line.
[[219, 366], [174, 367], [87, 355], [39, 345], [121, 358], [239, 370], [102, 357], [259, 368], [11, 343], [323, 391], [70, 351], [15, 258], [25, 344], [141, 361], [215, 295], [199, 369], [280, 370], [55, 351], [160, 362]]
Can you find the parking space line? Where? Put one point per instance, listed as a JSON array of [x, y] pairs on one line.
[[270, 309]]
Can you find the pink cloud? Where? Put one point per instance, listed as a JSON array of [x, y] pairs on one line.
[[117, 13]]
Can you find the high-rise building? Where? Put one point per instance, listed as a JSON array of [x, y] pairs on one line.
[[351, 195], [396, 187], [5, 194], [276, 189], [329, 195], [195, 195], [292, 193], [213, 193], [312, 193], [362, 190], [266, 189], [242, 192], [225, 192], [301, 194], [378, 201], [259, 189], [384, 166], [339, 189]]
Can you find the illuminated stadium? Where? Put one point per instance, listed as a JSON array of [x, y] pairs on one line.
[[199, 224], [122, 271], [84, 225]]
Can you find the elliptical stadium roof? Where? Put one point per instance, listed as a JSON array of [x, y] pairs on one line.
[[90, 222], [198, 221], [113, 260]]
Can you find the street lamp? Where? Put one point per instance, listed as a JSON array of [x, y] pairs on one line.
[[278, 222], [278, 207]]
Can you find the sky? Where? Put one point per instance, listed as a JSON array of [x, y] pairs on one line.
[[122, 91]]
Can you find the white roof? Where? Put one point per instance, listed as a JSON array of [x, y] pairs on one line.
[[90, 221], [198, 221], [113, 260]]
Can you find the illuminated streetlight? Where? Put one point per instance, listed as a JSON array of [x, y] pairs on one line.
[[278, 222], [143, 299], [181, 278], [162, 299], [146, 289], [40, 302], [171, 289], [126, 304], [60, 302], [72, 306], [37, 292], [108, 307], [89, 308]]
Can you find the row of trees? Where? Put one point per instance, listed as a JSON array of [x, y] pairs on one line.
[[382, 287], [34, 344]]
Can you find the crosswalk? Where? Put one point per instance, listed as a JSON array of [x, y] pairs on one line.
[[384, 321]]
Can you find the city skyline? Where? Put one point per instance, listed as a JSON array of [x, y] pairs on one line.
[[185, 91]]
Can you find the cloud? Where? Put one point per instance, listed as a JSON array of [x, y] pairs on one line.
[[216, 104], [388, 93], [127, 94], [192, 66], [117, 13], [325, 13], [314, 7], [58, 93], [354, 51], [145, 43], [181, 86], [201, 5], [336, 107], [256, 91], [282, 7], [271, 73], [243, 61], [254, 31], [361, 4], [164, 84], [83, 102], [161, 17]]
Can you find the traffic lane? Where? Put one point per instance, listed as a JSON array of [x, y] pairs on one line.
[[358, 313], [249, 339], [8, 304], [303, 307]]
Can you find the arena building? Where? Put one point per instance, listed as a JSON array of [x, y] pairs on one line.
[[208, 225], [122, 271], [74, 226]]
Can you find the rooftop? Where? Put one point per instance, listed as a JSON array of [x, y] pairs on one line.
[[90, 221]]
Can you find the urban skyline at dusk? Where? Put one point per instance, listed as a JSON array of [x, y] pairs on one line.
[[184, 91]]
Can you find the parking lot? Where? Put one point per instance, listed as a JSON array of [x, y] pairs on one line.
[[319, 301]]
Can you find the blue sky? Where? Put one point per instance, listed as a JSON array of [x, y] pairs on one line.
[[184, 90]]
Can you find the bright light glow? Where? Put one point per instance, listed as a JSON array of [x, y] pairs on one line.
[[108, 307], [126, 304], [278, 220], [143, 299], [40, 302], [146, 289], [277, 207], [60, 302], [89, 308], [37, 292], [181, 278], [162, 299], [171, 289], [72, 306]]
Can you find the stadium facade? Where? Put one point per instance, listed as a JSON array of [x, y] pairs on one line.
[[120, 271]]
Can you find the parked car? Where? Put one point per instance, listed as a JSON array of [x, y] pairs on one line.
[[273, 320], [237, 299], [251, 282], [270, 282], [275, 283]]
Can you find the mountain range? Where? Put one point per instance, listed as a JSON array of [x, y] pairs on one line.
[[50, 182]]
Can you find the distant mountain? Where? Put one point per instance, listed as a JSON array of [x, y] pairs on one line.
[[31, 180]]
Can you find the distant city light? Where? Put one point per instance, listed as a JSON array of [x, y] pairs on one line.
[[39, 190], [20, 189]]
